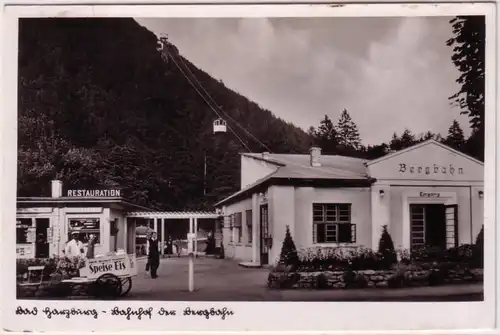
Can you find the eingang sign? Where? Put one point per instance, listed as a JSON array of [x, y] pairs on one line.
[[94, 193]]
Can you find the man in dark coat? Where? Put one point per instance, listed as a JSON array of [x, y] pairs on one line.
[[153, 255]]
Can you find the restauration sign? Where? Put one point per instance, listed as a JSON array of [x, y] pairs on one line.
[[94, 193]]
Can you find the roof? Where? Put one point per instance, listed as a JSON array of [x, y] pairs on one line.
[[420, 145], [174, 215], [79, 200], [296, 168]]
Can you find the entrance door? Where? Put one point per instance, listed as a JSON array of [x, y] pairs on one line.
[[264, 233], [429, 225], [42, 247], [451, 226]]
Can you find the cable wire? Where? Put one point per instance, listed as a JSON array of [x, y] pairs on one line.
[[220, 109]]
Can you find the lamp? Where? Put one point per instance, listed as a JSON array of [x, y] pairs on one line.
[[381, 193], [480, 194]]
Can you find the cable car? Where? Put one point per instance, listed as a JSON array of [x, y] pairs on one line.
[[220, 126]]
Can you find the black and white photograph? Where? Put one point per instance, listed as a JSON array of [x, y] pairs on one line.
[[243, 159]]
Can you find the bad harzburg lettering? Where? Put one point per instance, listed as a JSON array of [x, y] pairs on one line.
[[429, 169], [94, 193]]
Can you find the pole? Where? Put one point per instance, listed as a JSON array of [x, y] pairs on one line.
[[190, 238], [204, 174], [191, 272]]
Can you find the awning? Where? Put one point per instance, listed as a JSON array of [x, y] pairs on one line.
[[143, 231]]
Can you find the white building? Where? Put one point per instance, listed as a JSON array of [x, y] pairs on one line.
[[44, 224], [428, 194]]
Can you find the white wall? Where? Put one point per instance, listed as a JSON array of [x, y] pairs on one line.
[[240, 251], [467, 228], [254, 169], [59, 220]]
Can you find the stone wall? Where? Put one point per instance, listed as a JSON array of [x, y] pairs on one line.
[[370, 278]]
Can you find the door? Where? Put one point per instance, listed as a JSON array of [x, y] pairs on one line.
[[435, 226], [451, 214], [42, 247], [264, 234]]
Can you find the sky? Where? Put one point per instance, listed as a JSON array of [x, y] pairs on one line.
[[389, 73]]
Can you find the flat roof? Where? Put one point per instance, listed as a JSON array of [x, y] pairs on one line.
[[80, 200]]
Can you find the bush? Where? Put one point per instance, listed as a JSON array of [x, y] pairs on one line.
[[289, 255], [479, 249], [338, 259], [386, 249]]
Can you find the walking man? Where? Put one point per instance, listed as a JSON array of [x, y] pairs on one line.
[[153, 254]]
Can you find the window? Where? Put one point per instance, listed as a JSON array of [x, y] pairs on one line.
[[24, 231], [238, 217], [248, 215], [332, 224], [231, 228], [85, 227]]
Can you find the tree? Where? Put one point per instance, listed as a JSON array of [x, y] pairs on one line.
[[406, 140], [347, 133], [455, 138], [479, 248], [325, 136], [386, 248], [289, 255], [469, 57]]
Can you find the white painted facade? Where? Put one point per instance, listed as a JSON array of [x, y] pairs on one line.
[[428, 173]]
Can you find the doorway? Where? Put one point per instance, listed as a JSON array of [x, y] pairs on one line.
[[433, 226], [42, 247], [264, 234]]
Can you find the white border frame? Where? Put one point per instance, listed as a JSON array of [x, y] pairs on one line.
[[273, 316]]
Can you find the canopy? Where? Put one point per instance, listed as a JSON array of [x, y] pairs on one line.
[[143, 230]]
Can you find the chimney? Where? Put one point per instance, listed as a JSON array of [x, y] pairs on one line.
[[56, 188], [265, 155], [315, 154]]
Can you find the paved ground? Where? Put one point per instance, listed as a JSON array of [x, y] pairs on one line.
[[224, 280]]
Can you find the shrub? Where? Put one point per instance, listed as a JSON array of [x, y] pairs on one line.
[[386, 249], [479, 249], [289, 255]]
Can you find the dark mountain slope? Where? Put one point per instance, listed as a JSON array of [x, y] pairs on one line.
[[99, 107]]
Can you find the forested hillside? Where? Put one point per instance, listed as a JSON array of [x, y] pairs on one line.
[[99, 107]]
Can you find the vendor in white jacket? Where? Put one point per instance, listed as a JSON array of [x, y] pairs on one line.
[[74, 247]]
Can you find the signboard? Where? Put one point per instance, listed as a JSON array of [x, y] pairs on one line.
[[431, 169], [119, 265], [24, 251], [31, 235], [94, 193], [430, 194], [50, 235]]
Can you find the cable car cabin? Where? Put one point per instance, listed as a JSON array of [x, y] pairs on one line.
[[220, 126]]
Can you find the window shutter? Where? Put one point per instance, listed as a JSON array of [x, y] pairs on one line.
[[345, 233]]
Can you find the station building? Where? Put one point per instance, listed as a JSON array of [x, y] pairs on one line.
[[428, 194]]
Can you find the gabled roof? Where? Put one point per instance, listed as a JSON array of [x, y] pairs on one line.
[[420, 145], [298, 168], [332, 166]]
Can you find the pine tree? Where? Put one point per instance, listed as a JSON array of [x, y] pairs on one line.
[[347, 132], [479, 248], [325, 136], [455, 138], [289, 255], [469, 57], [395, 143], [386, 248], [407, 139]]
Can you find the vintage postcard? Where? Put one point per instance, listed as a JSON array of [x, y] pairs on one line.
[[249, 167]]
